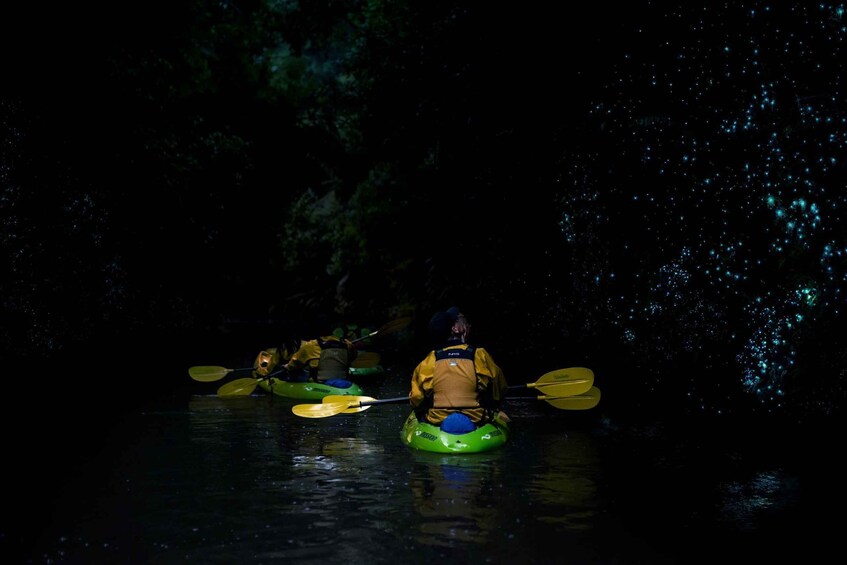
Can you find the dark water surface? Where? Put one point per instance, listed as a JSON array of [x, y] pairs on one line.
[[196, 478]]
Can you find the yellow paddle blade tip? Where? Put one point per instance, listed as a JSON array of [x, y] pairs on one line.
[[208, 374], [349, 399], [578, 402], [569, 374], [238, 387], [316, 410], [352, 402]]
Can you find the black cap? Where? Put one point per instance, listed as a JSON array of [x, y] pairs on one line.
[[442, 322]]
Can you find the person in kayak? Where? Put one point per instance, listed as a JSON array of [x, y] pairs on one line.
[[326, 359], [457, 386]]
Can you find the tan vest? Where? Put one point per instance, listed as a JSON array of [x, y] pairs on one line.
[[455, 386], [335, 360]]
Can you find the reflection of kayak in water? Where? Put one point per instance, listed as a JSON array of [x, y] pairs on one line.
[[427, 437], [308, 390]]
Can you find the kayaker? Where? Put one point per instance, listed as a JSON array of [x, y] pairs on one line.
[[325, 359], [457, 386]]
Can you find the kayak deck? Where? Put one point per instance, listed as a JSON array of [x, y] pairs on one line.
[[427, 437]]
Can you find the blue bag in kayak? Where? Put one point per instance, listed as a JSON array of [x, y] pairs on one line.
[[457, 423], [339, 383]]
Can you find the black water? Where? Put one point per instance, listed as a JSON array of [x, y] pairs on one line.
[[196, 478]]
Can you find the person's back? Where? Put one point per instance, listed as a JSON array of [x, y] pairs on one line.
[[336, 356], [457, 385], [323, 359]]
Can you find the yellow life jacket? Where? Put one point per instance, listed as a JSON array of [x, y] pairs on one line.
[[457, 386]]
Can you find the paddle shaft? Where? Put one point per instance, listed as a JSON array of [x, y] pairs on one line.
[[383, 401], [568, 389], [399, 399], [560, 388], [388, 327], [245, 386], [559, 383]]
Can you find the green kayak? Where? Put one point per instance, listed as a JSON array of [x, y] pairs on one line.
[[306, 390], [366, 373], [427, 437]]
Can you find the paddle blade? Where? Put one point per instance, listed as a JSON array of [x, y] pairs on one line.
[[315, 410], [353, 402], [208, 374], [394, 325], [387, 328], [565, 375], [564, 388], [579, 402], [239, 387], [366, 359]]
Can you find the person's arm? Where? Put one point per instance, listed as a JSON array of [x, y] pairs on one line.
[[497, 382], [421, 386], [352, 351], [308, 350], [496, 379]]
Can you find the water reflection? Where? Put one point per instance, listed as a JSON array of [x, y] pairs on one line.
[[242, 479], [454, 495], [743, 503], [562, 479]]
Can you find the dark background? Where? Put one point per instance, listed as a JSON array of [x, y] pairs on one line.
[[655, 192]]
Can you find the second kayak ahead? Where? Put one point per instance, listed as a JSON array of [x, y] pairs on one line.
[[307, 390]]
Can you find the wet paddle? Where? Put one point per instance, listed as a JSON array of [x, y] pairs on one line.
[[551, 391], [239, 387], [387, 328], [558, 386], [212, 373], [562, 382], [554, 384], [585, 401], [245, 386], [338, 404], [333, 404]]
